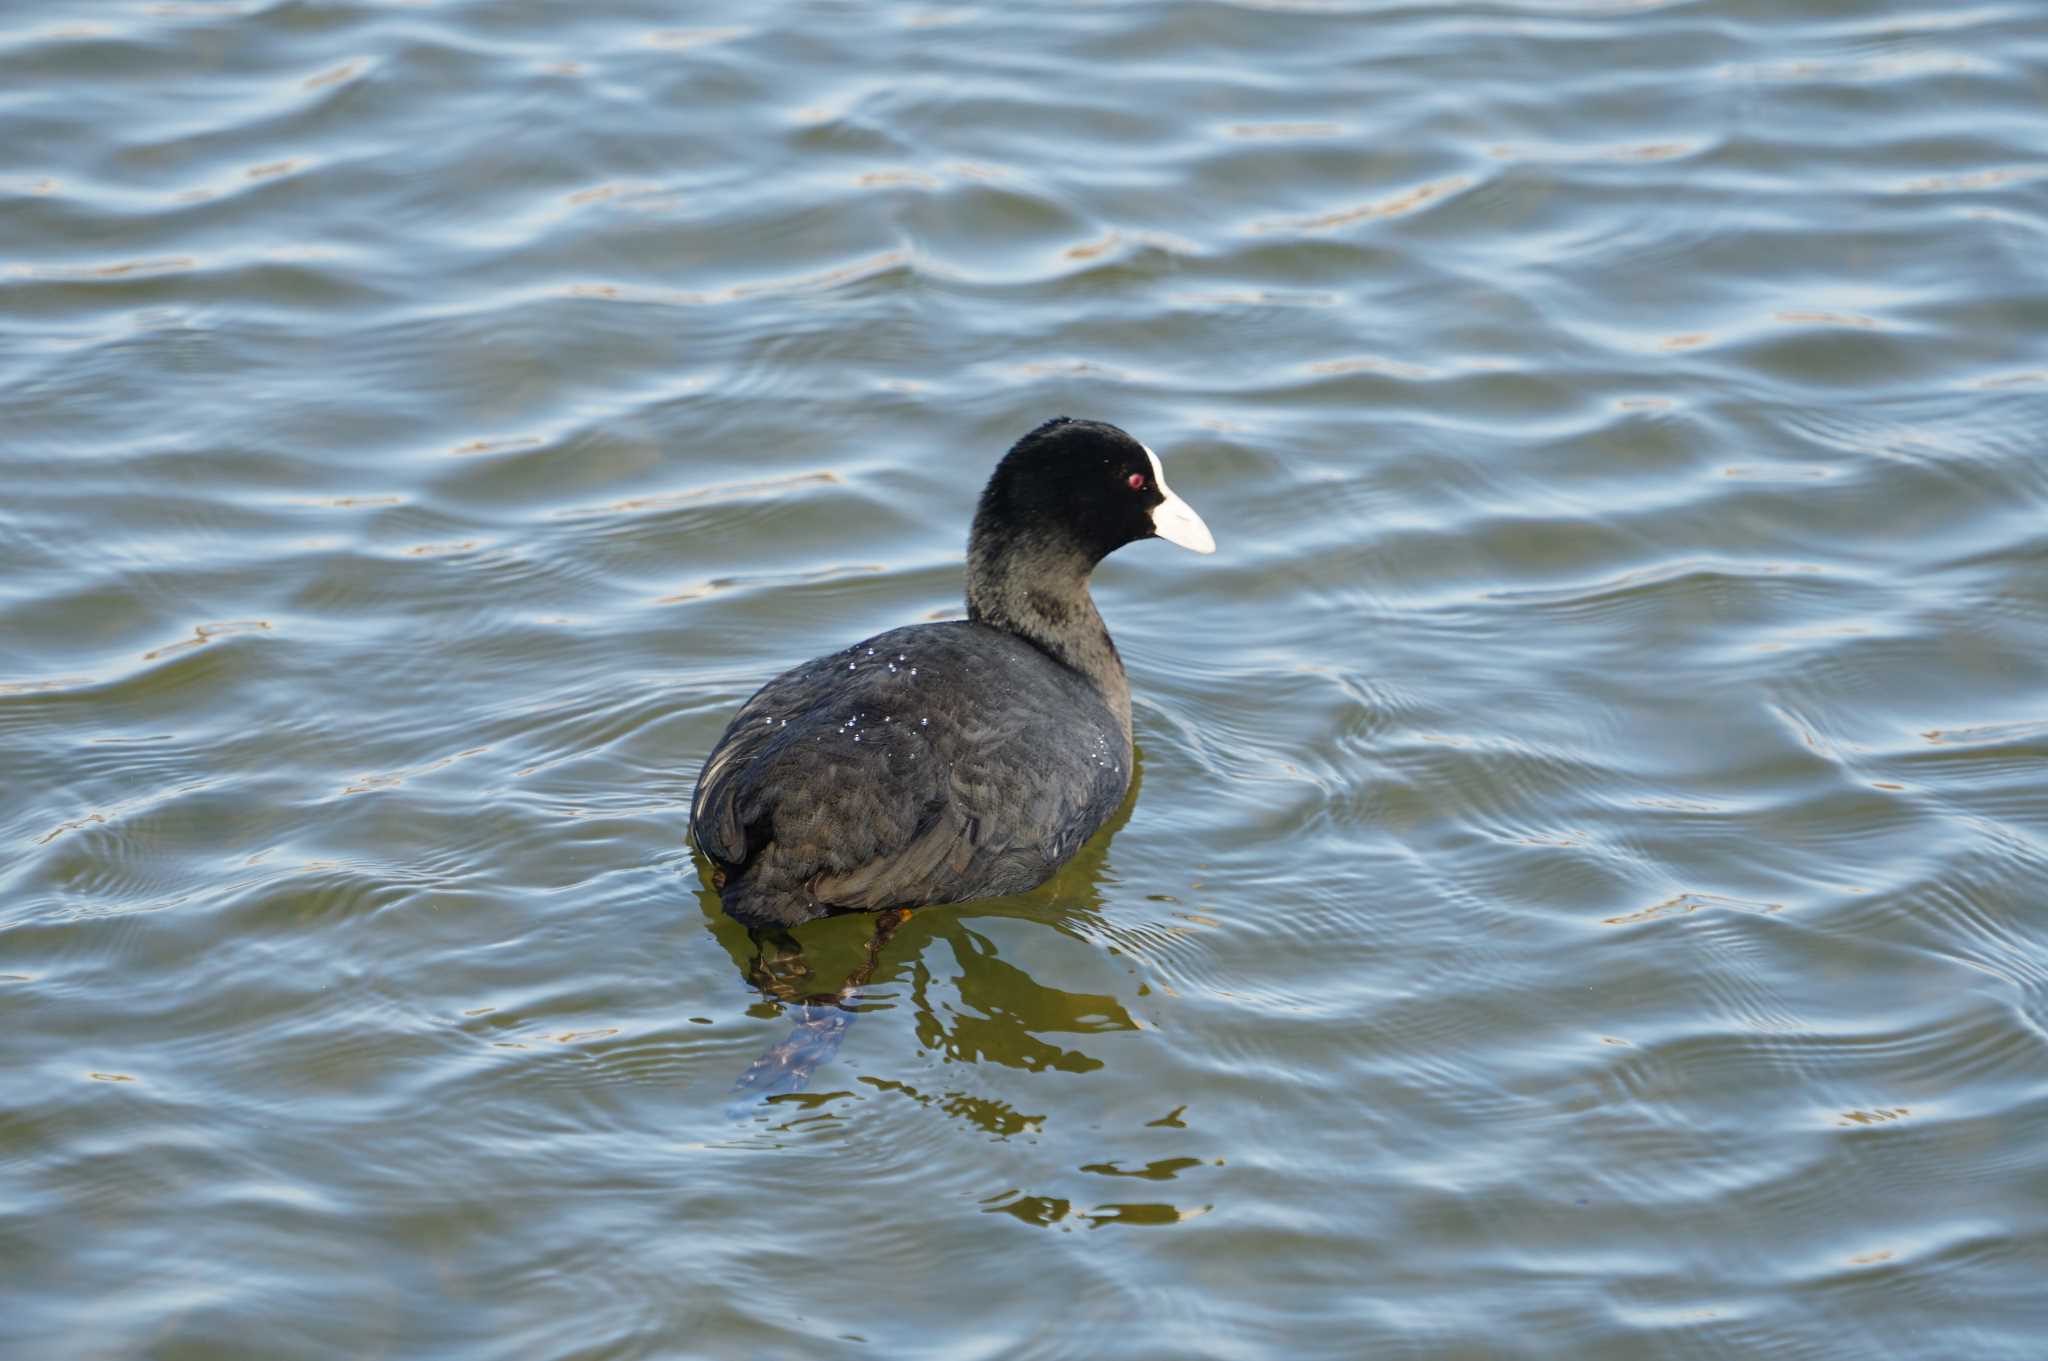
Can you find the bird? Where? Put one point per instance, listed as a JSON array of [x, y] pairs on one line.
[[945, 762]]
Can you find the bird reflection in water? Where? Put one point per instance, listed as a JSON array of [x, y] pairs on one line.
[[823, 992]]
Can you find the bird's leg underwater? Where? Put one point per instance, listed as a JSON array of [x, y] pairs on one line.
[[818, 1021], [886, 923]]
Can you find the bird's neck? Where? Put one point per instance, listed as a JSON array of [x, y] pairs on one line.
[[1038, 589]]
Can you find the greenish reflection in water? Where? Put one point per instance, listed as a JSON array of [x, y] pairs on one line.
[[846, 965]]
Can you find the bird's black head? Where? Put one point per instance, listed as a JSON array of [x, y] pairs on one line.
[[1084, 486]]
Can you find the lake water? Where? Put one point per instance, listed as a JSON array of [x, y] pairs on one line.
[[1585, 894]]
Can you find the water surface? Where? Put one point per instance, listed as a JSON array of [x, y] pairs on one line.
[[1584, 894]]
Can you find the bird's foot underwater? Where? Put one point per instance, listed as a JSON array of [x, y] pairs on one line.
[[816, 1032]]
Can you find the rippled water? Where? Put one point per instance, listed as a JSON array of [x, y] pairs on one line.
[[1585, 893]]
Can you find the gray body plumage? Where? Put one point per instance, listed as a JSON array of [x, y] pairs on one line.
[[850, 783]]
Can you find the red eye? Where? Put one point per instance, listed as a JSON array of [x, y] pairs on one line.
[[1137, 481]]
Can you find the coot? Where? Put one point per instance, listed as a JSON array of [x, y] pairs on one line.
[[943, 762]]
